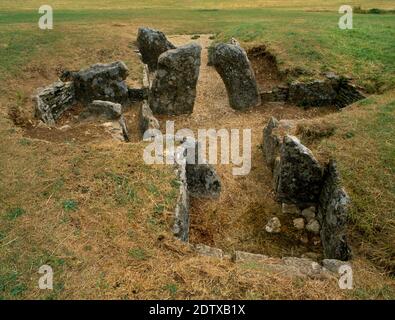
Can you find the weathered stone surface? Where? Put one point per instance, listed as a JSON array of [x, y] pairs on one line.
[[137, 94], [152, 43], [306, 267], [277, 94], [273, 225], [271, 142], [300, 175], [273, 135], [101, 82], [209, 251], [290, 209], [309, 213], [241, 256], [173, 89], [53, 101], [299, 223], [203, 181], [105, 109], [316, 93], [147, 121], [181, 214], [232, 64], [334, 265], [332, 90], [332, 215], [118, 129], [313, 226]]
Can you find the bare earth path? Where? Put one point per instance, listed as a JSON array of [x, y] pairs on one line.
[[237, 219]]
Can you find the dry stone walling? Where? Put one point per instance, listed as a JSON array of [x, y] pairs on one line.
[[332, 90], [232, 64], [173, 90], [97, 88], [307, 189]]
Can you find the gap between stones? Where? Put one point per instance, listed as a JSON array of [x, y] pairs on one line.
[[172, 91]]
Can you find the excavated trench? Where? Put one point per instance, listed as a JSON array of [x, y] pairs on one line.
[[237, 219]]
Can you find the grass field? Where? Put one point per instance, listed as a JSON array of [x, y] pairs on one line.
[[107, 212]]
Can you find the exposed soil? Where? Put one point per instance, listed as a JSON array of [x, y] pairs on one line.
[[265, 66], [237, 219]]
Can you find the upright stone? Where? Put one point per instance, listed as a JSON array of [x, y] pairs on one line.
[[173, 90], [232, 64], [299, 178], [152, 44], [332, 215]]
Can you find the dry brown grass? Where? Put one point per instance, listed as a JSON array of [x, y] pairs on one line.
[[100, 217]]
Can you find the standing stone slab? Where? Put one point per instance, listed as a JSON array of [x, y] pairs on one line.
[[232, 64], [332, 215], [147, 121], [273, 135], [152, 44], [53, 101], [101, 82], [173, 90], [299, 178]]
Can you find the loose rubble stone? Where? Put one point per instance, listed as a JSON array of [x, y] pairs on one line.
[[277, 94], [299, 178], [100, 82], [332, 215], [152, 43], [299, 223], [232, 64], [147, 121], [307, 267], [334, 265], [273, 225], [241, 256], [173, 90], [313, 226], [54, 100], [309, 213], [106, 109], [209, 251], [290, 209]]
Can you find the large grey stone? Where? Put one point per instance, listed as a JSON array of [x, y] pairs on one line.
[[232, 64], [54, 100], [299, 178], [152, 43], [147, 121], [105, 109], [173, 90], [203, 181], [332, 215], [100, 82], [273, 135]]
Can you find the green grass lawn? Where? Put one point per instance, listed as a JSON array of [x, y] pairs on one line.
[[310, 40]]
